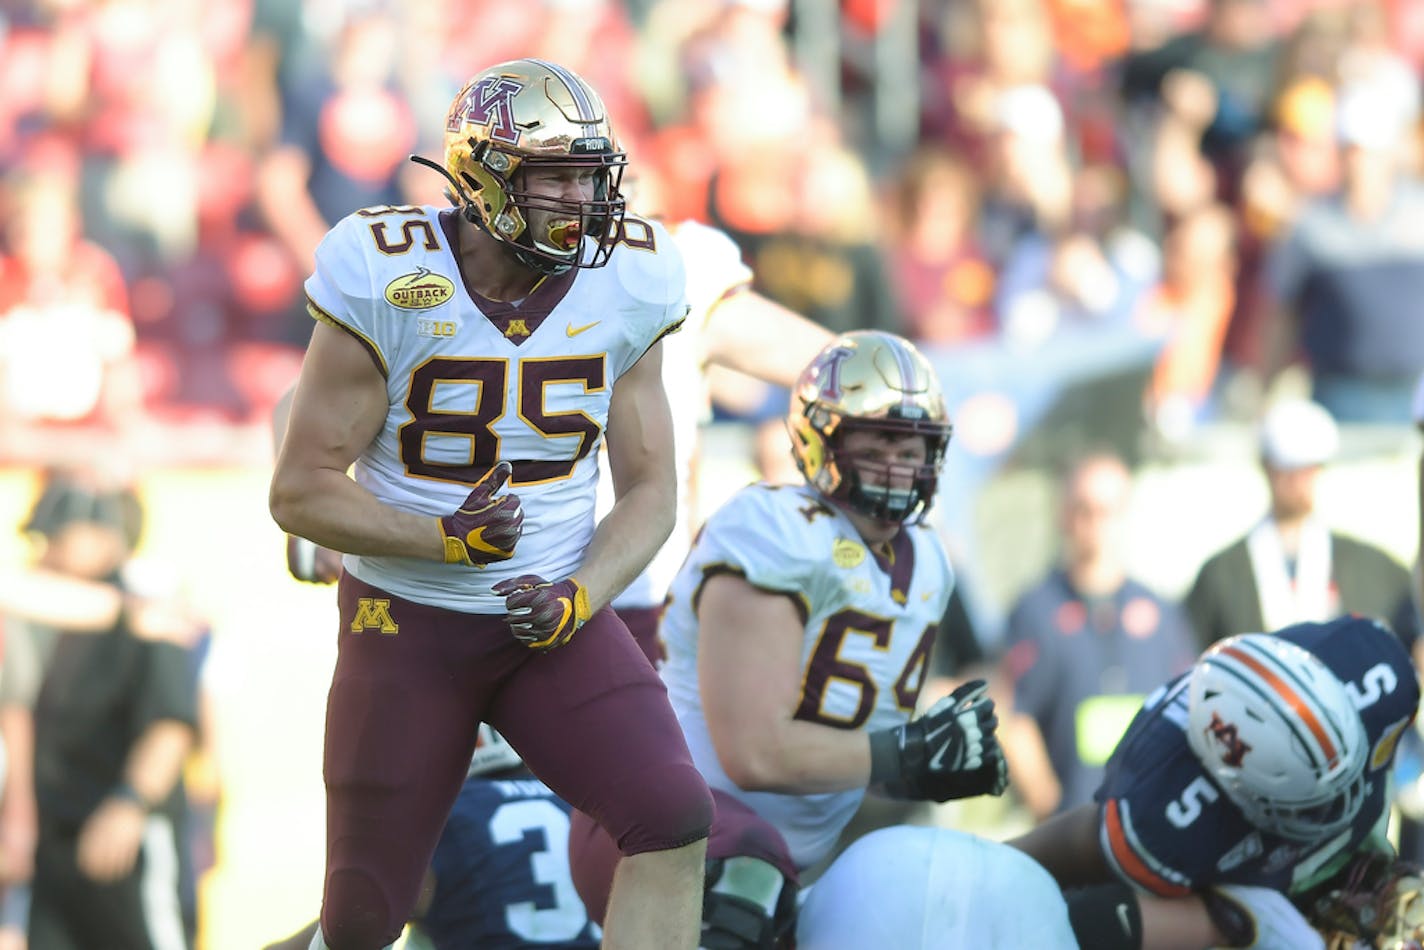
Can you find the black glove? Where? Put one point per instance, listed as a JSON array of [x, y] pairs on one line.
[[949, 752]]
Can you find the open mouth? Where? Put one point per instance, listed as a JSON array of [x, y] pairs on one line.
[[565, 234]]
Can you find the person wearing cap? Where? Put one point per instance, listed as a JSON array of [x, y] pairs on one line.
[[115, 713], [1291, 567]]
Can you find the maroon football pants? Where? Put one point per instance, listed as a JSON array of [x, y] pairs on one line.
[[736, 831], [591, 719]]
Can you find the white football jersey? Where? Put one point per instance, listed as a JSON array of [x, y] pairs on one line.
[[474, 382], [870, 619], [714, 269], [915, 888]]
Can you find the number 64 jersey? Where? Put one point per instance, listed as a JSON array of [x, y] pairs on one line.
[[1166, 827], [870, 619], [473, 381]]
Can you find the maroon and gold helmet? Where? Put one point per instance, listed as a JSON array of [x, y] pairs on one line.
[[523, 114], [875, 380]]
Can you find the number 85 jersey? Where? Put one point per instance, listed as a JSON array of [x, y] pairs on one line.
[[473, 381], [869, 618], [1166, 827]]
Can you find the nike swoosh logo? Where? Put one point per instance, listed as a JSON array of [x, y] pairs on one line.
[[572, 330], [937, 760], [1124, 919]]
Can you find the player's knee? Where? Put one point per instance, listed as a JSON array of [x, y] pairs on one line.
[[674, 810], [747, 904], [356, 914]]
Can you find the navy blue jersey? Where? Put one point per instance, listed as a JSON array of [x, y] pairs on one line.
[[502, 872], [1168, 828]]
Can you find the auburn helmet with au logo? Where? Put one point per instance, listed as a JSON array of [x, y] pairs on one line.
[[871, 380], [1279, 733], [522, 115]]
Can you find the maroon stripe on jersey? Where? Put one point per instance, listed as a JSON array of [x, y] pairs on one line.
[[899, 562], [798, 600], [547, 294]]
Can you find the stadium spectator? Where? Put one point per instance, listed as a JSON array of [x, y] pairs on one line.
[[1090, 272], [115, 717], [944, 284], [1222, 74], [346, 134], [1083, 647], [1344, 276], [1190, 308], [1291, 567], [66, 340]]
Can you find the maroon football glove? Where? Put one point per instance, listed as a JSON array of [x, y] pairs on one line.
[[485, 528], [310, 562], [542, 614]]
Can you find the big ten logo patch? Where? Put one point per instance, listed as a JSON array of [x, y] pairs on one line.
[[374, 613], [435, 328]]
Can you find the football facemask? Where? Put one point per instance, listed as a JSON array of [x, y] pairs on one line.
[[518, 118], [869, 380]]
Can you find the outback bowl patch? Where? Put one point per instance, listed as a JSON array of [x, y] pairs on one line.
[[419, 291]]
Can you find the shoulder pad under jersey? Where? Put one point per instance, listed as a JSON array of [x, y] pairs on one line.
[[777, 537], [714, 266], [648, 264]]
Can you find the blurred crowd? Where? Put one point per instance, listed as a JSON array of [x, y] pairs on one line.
[[1235, 179]]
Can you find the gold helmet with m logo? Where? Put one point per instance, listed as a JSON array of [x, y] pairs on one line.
[[868, 380], [528, 114]]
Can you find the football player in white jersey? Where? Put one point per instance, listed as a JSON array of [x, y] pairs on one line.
[[799, 632], [729, 325], [469, 361], [917, 888]]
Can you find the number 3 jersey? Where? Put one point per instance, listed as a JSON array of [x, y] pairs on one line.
[[1168, 828], [869, 623], [472, 381], [502, 879]]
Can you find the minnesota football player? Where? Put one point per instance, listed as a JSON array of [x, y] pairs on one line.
[[799, 631], [469, 362]]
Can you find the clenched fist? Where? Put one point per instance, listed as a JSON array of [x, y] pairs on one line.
[[949, 752], [544, 614]]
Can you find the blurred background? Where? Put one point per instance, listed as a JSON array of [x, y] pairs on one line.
[[1119, 226]]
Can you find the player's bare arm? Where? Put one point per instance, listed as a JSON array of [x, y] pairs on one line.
[[339, 407], [1067, 847], [60, 600], [640, 460], [753, 334], [111, 837], [749, 670]]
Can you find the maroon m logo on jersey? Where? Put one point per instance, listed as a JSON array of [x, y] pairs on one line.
[[489, 102], [1225, 733]]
